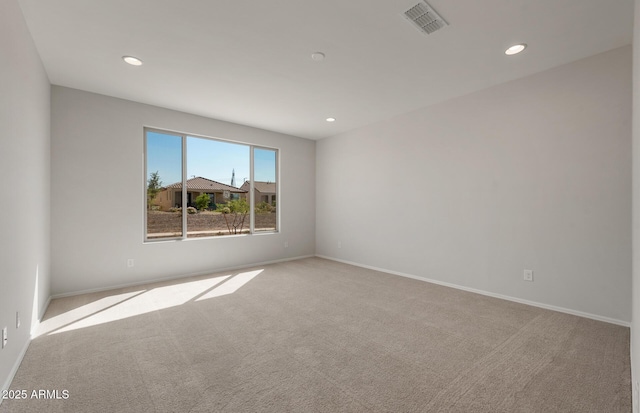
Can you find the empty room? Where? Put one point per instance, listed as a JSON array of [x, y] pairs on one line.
[[338, 206]]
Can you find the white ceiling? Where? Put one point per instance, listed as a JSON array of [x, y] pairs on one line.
[[250, 62]]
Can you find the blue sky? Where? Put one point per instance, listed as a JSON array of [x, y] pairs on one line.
[[206, 158]]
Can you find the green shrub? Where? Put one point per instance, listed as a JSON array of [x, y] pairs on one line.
[[238, 206], [202, 202], [263, 208]]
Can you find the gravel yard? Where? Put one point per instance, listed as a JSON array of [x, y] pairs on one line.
[[205, 223]]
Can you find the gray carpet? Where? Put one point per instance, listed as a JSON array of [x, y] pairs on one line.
[[319, 336]]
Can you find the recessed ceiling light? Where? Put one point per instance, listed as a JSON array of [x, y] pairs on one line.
[[331, 119], [515, 49], [133, 61], [317, 56]]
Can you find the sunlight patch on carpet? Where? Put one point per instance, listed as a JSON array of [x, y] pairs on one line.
[[232, 285], [86, 310], [131, 305]]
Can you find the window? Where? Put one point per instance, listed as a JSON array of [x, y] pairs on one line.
[[265, 188], [204, 187]]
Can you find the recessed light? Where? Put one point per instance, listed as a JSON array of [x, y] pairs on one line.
[[133, 61], [317, 56], [515, 49], [331, 119]]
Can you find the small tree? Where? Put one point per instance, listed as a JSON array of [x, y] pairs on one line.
[[154, 184], [239, 209], [202, 202]]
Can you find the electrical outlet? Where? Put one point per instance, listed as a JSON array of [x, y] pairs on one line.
[[339, 244], [17, 319], [4, 337], [286, 244], [130, 262], [528, 275]]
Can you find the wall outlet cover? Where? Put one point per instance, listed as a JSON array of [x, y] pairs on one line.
[[528, 275]]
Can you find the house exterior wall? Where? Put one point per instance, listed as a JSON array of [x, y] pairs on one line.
[[260, 197], [164, 200], [268, 198], [170, 198]]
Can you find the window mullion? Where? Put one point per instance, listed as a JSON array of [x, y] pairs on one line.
[[184, 187], [252, 201]]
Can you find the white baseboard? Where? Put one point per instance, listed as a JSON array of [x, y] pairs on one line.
[[178, 276], [14, 369], [487, 293], [6, 385]]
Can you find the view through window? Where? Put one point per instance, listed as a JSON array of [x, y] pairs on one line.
[[202, 187]]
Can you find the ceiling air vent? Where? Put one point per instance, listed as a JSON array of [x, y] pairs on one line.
[[425, 18]]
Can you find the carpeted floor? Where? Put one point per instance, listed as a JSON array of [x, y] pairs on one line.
[[318, 336]]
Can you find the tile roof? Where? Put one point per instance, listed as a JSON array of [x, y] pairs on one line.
[[261, 186], [206, 185]]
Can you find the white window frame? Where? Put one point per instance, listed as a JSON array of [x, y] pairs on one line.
[[252, 201]]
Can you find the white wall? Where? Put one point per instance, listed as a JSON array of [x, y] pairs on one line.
[[635, 326], [98, 195], [24, 200], [531, 174]]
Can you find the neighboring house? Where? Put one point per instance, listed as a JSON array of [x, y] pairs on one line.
[[263, 191], [171, 195]]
